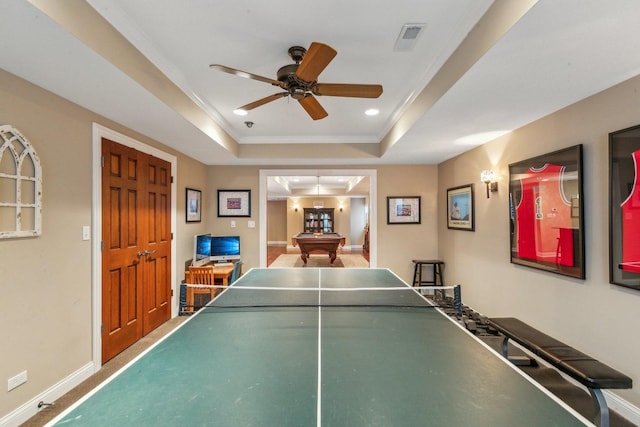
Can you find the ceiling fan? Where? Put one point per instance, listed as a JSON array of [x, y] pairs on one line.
[[299, 80]]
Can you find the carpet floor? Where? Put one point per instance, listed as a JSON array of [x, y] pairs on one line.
[[321, 260]]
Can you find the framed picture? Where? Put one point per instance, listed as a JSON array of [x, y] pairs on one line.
[[403, 210], [194, 205], [234, 203], [546, 215], [460, 208], [624, 207]]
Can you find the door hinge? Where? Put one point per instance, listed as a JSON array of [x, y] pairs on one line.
[[171, 293], [171, 236], [101, 245], [101, 161], [172, 180], [102, 329]]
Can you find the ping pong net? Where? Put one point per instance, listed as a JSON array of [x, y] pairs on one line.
[[361, 296]]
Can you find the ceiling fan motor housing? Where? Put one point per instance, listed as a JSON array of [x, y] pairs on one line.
[[297, 89], [287, 73], [297, 53]]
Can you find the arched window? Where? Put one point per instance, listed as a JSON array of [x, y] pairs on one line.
[[20, 186]]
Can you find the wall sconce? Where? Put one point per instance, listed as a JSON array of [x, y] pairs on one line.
[[489, 178]]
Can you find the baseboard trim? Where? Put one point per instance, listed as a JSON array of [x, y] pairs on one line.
[[622, 407], [30, 408]]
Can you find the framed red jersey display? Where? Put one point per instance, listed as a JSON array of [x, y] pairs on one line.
[[545, 212], [624, 207]]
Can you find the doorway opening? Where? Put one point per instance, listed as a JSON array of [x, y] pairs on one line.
[[371, 175]]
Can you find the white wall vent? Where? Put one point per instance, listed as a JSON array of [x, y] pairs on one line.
[[408, 37]]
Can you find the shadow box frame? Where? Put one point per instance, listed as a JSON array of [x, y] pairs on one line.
[[546, 212], [624, 207], [193, 205], [461, 208], [234, 203], [403, 210]]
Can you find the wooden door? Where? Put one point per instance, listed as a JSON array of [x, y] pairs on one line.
[[136, 255], [157, 263]]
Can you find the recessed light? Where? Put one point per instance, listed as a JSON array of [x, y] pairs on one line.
[[240, 112], [372, 112]]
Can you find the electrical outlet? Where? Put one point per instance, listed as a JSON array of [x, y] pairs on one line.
[[19, 379]]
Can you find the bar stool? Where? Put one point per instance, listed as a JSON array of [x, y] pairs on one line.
[[437, 265]]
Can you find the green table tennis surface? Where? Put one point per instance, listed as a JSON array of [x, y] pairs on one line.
[[304, 364]]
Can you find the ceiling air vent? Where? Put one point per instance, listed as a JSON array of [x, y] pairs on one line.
[[408, 37]]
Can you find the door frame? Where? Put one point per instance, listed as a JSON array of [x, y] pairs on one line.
[[99, 132], [373, 203]]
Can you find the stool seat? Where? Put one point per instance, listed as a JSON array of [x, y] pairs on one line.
[[437, 265]]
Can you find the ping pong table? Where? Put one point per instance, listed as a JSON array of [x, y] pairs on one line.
[[300, 356]]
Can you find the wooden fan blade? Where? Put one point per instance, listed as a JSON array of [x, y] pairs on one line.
[[263, 101], [315, 60], [246, 75], [350, 90], [313, 107]]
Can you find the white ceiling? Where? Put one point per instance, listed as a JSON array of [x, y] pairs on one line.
[[467, 75], [317, 186]]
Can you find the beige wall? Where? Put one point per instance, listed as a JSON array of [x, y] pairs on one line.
[[236, 178], [596, 317], [277, 221], [398, 244], [45, 282]]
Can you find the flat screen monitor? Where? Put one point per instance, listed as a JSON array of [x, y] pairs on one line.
[[225, 248], [201, 250]]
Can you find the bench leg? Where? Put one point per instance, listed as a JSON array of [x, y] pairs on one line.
[[602, 410], [505, 347], [516, 360]]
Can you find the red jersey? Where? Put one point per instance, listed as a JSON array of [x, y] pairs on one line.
[[543, 212], [631, 223]]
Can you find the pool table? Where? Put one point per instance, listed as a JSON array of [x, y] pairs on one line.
[[318, 242]]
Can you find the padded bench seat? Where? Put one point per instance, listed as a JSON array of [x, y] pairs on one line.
[[586, 370]]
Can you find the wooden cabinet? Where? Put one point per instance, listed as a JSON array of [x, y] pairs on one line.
[[318, 220]]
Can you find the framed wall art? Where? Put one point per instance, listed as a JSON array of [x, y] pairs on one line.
[[546, 216], [624, 207], [194, 205], [234, 203], [460, 208], [403, 210]]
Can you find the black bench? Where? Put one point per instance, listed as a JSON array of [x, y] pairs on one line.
[[586, 370]]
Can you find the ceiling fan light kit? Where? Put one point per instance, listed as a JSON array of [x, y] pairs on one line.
[[299, 80]]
